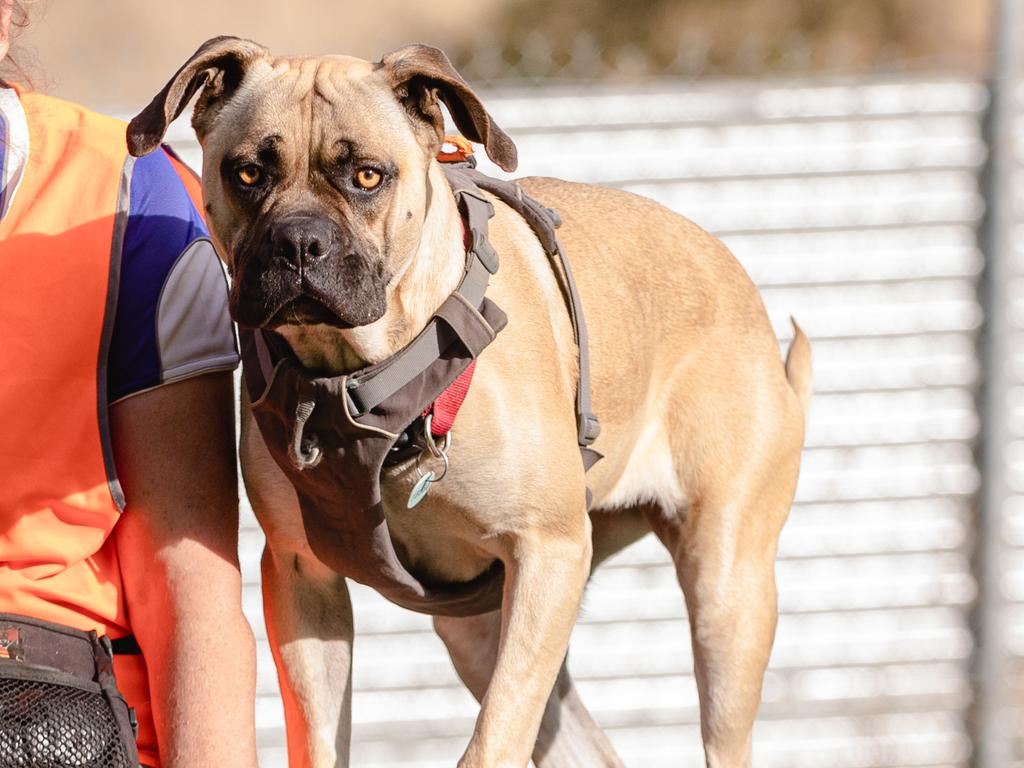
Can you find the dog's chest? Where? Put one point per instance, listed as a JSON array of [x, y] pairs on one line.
[[440, 538]]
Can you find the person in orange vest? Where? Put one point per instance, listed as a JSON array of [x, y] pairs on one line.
[[120, 593]]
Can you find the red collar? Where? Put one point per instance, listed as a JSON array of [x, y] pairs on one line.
[[446, 407]]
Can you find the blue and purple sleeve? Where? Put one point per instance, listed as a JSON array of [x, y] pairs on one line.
[[172, 318]]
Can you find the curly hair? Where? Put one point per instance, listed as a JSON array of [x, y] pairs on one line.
[[19, 20], [19, 15]]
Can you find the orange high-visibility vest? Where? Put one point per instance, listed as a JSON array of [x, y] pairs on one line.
[[60, 246]]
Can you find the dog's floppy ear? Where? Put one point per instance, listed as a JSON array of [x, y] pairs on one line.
[[422, 74], [217, 68]]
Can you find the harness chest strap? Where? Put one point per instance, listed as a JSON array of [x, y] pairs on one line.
[[334, 461]]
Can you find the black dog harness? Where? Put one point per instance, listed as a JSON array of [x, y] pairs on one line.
[[332, 435]]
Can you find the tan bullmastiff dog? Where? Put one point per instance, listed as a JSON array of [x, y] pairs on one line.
[[702, 425]]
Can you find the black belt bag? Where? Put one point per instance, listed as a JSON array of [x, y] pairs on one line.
[[59, 704]]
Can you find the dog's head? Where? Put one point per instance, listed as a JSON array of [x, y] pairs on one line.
[[315, 170]]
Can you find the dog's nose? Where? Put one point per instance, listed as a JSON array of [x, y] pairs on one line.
[[300, 240]]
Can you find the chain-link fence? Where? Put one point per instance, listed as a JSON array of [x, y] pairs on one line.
[[632, 40], [536, 61]]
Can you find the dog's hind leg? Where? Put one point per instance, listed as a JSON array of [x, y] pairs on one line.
[[724, 548], [309, 625], [568, 736], [730, 599]]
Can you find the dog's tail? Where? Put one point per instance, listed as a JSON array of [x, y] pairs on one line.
[[798, 366]]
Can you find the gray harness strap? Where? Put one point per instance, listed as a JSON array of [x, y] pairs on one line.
[[543, 221], [369, 390], [331, 435]]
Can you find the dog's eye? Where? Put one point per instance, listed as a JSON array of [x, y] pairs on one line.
[[368, 178], [249, 174]]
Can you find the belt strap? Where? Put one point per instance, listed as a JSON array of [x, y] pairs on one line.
[[33, 642], [126, 646]]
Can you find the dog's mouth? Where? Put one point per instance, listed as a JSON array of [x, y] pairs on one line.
[[305, 310], [344, 287]]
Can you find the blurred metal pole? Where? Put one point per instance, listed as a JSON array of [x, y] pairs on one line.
[[991, 725]]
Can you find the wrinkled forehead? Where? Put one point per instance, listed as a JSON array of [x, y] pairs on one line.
[[315, 103]]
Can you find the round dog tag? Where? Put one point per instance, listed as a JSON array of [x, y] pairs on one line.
[[419, 491]]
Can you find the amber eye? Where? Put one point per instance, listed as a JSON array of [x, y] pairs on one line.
[[250, 175], [368, 178]]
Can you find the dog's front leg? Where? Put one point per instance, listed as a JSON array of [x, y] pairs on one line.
[[545, 576], [309, 625]]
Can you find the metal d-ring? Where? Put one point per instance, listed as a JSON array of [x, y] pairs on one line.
[[443, 457], [437, 451]]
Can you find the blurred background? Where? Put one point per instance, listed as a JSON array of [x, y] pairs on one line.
[[861, 158]]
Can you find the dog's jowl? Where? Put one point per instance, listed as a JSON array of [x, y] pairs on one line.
[[402, 317]]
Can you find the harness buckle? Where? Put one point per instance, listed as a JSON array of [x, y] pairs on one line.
[[588, 428], [355, 408]]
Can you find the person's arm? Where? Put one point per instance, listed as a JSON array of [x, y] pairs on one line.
[[175, 456]]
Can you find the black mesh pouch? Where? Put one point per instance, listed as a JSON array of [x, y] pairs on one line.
[[59, 705]]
